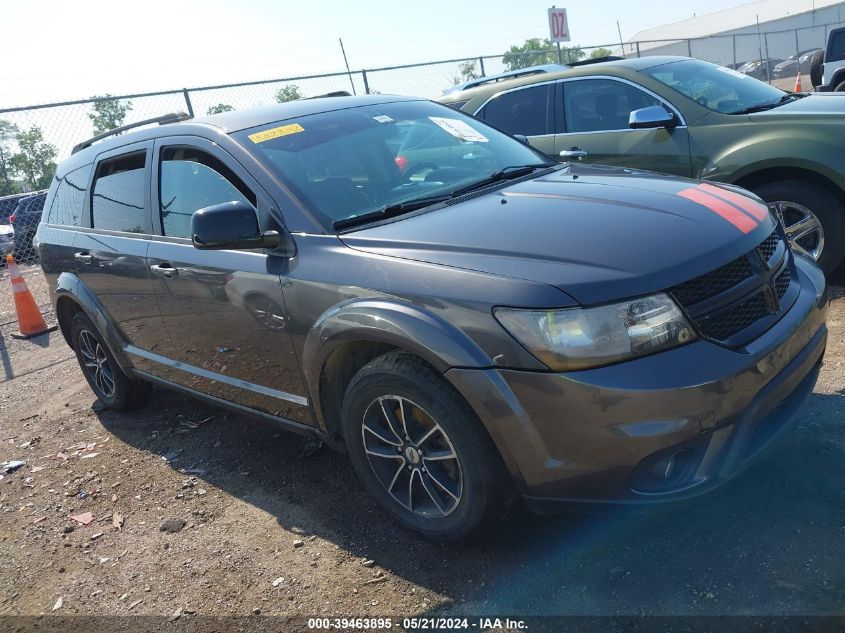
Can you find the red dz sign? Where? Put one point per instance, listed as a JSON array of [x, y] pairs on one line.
[[558, 25]]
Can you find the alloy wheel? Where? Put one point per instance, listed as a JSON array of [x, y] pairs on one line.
[[803, 229], [96, 364], [412, 456]]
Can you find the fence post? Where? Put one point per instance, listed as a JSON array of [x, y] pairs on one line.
[[638, 50], [366, 83], [733, 37], [188, 102], [689, 47], [796, 41], [481, 66], [767, 65]]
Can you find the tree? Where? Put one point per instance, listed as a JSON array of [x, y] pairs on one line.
[[288, 93], [601, 51], [108, 113], [468, 71], [220, 108], [35, 163], [536, 51], [8, 132]]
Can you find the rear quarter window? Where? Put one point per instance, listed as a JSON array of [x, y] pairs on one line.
[[836, 47], [66, 209]]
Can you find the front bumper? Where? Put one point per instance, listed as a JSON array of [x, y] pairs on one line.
[[607, 435]]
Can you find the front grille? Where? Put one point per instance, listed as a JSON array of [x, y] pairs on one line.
[[725, 301], [724, 324], [769, 245], [713, 283], [782, 282]]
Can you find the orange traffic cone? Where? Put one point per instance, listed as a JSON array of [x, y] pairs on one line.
[[30, 320], [798, 83]]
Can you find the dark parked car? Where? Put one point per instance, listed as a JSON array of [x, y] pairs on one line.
[[24, 220], [690, 118], [790, 66], [762, 69], [509, 327]]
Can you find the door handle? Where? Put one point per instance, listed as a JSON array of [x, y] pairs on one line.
[[165, 269], [85, 257], [574, 152]]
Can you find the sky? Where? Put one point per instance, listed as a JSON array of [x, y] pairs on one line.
[[85, 47]]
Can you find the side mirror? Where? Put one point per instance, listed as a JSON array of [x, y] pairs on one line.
[[230, 225], [651, 117], [521, 138]]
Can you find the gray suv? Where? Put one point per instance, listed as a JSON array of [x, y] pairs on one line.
[[492, 327]]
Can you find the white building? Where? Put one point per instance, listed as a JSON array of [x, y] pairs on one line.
[[773, 29]]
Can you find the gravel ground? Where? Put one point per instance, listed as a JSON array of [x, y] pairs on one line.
[[196, 509]]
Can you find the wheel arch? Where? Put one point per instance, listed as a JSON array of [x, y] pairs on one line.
[[350, 335], [767, 174]]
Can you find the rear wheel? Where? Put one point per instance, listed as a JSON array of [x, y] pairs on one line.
[[813, 218], [108, 382], [840, 87], [420, 450]]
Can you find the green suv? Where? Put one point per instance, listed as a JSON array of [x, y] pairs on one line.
[[690, 118]]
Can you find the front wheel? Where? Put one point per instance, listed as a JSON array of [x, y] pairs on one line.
[[420, 450], [813, 219]]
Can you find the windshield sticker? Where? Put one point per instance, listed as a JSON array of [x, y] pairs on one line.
[[733, 72], [383, 118], [276, 132], [459, 129]]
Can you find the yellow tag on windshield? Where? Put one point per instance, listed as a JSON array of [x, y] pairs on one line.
[[276, 132]]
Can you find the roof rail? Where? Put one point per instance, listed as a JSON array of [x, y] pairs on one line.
[[597, 60], [173, 117], [336, 93]]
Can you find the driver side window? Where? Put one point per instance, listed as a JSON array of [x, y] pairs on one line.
[[189, 180], [601, 105]]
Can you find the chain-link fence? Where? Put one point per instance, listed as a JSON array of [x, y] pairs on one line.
[[34, 139]]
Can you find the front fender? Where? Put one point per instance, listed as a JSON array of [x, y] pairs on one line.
[[69, 287], [396, 323], [807, 149]]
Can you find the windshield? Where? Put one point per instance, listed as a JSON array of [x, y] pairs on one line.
[[715, 87], [349, 163]]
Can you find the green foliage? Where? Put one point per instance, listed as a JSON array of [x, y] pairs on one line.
[[600, 52], [468, 71], [35, 162], [536, 51], [220, 108], [8, 132], [108, 113], [288, 93]]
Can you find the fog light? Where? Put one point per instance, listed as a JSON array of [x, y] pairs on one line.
[[664, 468]]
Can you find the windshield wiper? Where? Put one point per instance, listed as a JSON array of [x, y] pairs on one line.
[[390, 210], [790, 96], [507, 173]]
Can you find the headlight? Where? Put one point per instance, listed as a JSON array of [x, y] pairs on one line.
[[579, 338]]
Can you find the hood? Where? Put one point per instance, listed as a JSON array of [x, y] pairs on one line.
[[814, 107], [597, 233]]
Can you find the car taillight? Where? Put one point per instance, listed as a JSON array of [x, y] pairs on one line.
[[401, 162], [12, 218]]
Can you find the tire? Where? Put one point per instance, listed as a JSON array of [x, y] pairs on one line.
[[816, 68], [840, 87], [480, 489], [826, 207], [105, 377]]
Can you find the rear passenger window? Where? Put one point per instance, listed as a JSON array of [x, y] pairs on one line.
[[526, 111], [70, 196], [117, 203], [191, 180]]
